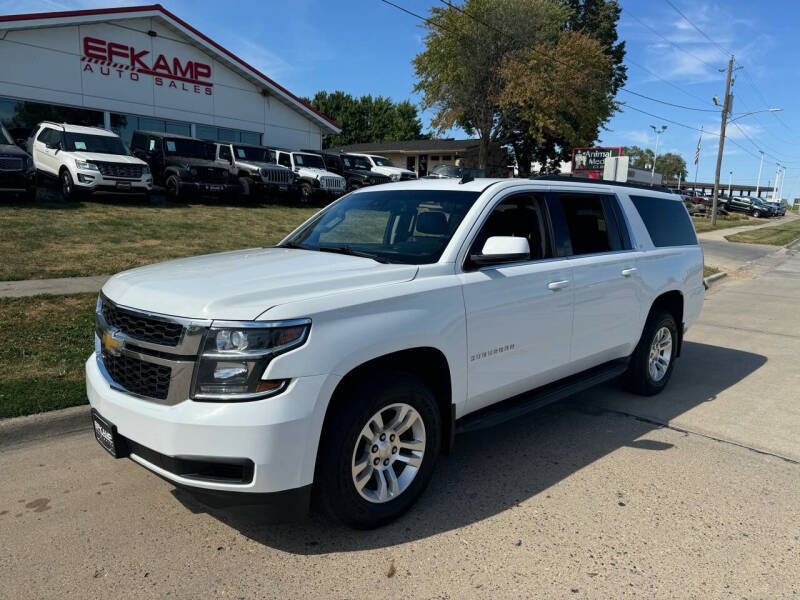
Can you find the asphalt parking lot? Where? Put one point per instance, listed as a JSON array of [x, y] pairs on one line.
[[693, 494]]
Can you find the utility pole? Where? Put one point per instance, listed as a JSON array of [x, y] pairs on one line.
[[725, 108], [760, 166]]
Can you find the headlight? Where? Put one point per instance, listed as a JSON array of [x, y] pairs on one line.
[[235, 356], [145, 170], [83, 164], [395, 176], [193, 172]]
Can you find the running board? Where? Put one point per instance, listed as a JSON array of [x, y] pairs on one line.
[[535, 399]]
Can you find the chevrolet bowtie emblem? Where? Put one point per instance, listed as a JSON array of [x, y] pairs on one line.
[[111, 344]]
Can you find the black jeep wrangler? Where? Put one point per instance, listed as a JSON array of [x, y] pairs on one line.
[[184, 165], [355, 169], [17, 175]]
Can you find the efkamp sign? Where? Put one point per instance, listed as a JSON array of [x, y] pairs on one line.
[[592, 159]]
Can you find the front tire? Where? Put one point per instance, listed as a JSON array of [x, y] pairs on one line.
[[68, 191], [173, 185], [756, 214], [653, 359], [306, 192], [378, 450]]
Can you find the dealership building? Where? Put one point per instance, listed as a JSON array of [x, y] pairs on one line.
[[142, 67]]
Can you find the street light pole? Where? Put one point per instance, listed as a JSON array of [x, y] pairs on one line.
[[777, 174], [730, 179], [783, 180], [725, 108], [655, 154], [760, 166]]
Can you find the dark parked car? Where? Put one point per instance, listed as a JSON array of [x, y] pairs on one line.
[[452, 171], [17, 175], [355, 169], [750, 205], [183, 164], [780, 208]]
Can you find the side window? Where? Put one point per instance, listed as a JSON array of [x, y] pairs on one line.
[[138, 141], [523, 215], [667, 221], [44, 136], [225, 153], [283, 159], [151, 144], [590, 229]]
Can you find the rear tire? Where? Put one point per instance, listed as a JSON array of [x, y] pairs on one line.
[[349, 485], [756, 214], [653, 359]]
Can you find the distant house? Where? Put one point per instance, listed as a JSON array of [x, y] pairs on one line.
[[421, 156]]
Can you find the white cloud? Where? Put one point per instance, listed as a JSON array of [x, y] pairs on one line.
[[638, 137]]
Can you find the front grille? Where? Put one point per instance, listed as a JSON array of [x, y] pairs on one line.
[[138, 377], [10, 163], [406, 177], [210, 174], [277, 175], [126, 170], [331, 183], [378, 179], [141, 327]]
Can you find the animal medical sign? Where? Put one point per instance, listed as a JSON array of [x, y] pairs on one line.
[[592, 159], [112, 59]]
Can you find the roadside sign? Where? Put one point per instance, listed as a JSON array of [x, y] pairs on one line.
[[592, 159]]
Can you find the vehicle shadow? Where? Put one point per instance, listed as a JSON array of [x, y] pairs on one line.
[[494, 470]]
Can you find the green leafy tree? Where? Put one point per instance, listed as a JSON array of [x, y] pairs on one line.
[[669, 164], [368, 119]]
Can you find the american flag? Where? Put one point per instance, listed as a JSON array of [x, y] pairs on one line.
[[697, 153]]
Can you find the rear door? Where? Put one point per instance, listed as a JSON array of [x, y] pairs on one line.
[[519, 314], [606, 284]]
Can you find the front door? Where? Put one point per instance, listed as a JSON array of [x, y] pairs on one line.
[[519, 315]]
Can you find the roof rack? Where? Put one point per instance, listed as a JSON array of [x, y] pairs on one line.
[[570, 179]]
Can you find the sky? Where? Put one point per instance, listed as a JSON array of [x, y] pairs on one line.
[[366, 47]]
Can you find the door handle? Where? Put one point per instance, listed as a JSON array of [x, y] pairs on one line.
[[628, 272], [557, 285]]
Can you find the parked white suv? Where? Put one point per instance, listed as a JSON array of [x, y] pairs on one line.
[[87, 159], [343, 360], [382, 165], [311, 175]]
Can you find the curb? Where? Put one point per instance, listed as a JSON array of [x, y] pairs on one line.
[[19, 430], [713, 278]]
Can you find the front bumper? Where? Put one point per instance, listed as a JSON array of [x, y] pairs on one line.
[[211, 189], [278, 435], [272, 188], [17, 181], [93, 181]]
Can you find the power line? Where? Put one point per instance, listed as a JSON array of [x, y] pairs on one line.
[[700, 31], [712, 110]]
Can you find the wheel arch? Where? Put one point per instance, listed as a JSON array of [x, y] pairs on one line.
[[428, 363], [671, 301]]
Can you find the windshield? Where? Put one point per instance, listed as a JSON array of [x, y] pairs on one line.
[[402, 226], [381, 162], [313, 161], [5, 137], [102, 144], [254, 154], [356, 162], [189, 148]]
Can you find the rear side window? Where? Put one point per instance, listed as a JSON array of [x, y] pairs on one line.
[[667, 221], [591, 229]]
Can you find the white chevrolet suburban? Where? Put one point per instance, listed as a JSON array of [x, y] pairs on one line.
[[340, 363]]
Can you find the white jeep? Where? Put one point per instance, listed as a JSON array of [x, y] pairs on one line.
[[341, 362], [87, 159], [312, 177]]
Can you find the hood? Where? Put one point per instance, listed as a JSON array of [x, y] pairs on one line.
[[314, 172], [243, 284], [252, 164], [114, 158], [362, 172], [12, 150], [393, 171], [186, 161]]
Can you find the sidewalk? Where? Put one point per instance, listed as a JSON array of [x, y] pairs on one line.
[[66, 285], [718, 235]]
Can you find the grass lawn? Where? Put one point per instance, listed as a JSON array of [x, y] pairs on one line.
[[709, 271], [45, 239], [44, 342], [777, 235], [702, 224]]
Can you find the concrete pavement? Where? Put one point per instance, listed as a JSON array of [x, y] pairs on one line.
[[65, 285], [590, 498]]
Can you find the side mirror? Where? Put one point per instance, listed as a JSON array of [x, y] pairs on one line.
[[500, 249]]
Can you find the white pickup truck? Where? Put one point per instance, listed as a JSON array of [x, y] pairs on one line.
[[340, 363]]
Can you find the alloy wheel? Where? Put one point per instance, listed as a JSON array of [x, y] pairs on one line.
[[660, 354], [388, 453]]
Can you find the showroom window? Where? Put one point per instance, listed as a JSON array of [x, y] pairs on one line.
[[21, 116], [125, 125], [223, 134]]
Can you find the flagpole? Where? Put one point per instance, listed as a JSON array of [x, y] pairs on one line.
[[697, 159]]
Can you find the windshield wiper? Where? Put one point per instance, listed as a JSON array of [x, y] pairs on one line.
[[351, 252]]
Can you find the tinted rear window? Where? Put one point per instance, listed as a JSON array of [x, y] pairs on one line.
[[667, 221]]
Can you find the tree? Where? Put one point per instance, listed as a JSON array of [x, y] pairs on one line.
[[458, 73], [471, 49], [368, 119], [670, 165]]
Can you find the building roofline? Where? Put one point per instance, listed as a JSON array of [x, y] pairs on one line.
[[171, 16]]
